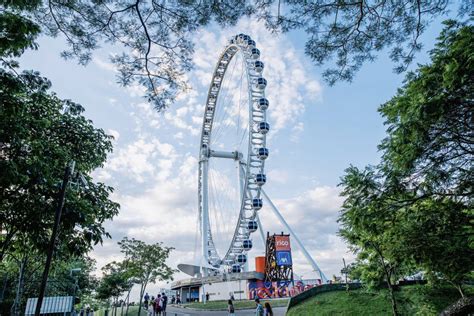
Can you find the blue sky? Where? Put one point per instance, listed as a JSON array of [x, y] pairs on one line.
[[317, 132]]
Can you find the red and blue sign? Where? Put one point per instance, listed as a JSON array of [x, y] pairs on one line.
[[283, 258], [283, 250], [282, 243]]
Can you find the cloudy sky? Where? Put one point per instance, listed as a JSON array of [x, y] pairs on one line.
[[317, 132]]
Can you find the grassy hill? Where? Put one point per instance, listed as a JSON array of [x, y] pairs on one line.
[[412, 300]]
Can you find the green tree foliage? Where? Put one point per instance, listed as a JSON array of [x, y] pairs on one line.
[[157, 36], [417, 204], [368, 225], [434, 236], [146, 263], [39, 135], [21, 272], [113, 283], [429, 152], [429, 147]]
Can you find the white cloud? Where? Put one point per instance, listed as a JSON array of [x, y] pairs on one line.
[[141, 159], [102, 64], [296, 131], [278, 176]]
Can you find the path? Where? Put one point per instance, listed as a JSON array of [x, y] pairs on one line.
[[178, 311]]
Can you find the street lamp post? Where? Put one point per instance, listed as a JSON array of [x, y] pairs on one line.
[[76, 285], [57, 219]]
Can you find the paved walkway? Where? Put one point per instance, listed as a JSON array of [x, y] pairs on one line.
[[178, 311]]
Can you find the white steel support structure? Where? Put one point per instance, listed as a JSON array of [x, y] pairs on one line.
[[204, 216], [251, 166], [252, 163]]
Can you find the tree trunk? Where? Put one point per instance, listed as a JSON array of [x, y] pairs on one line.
[[459, 287], [128, 298], [142, 291], [115, 307], [389, 282], [392, 298], [19, 291]]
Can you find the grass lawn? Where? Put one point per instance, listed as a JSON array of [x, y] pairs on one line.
[[222, 305], [132, 311], [412, 300]]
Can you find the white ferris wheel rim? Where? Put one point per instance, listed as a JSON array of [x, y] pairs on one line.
[[252, 167]]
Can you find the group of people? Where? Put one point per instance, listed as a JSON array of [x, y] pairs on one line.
[[156, 306], [260, 310], [87, 311]]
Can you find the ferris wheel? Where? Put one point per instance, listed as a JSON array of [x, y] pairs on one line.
[[248, 153], [234, 131]]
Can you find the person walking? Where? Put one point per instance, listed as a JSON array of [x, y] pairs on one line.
[[151, 311], [268, 309], [207, 297], [230, 308], [146, 299], [152, 305], [258, 308], [158, 305], [164, 300]]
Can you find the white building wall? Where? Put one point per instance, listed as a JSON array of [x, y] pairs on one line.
[[222, 290]]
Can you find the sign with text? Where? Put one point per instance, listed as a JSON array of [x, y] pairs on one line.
[[283, 258], [282, 243]]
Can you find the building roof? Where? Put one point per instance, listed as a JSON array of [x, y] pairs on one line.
[[251, 275], [51, 305]]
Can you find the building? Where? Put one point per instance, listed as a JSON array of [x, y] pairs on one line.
[[242, 286], [220, 287]]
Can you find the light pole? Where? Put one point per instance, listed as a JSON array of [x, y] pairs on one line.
[[57, 219], [71, 273]]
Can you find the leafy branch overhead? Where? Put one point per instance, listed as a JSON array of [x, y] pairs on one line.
[[157, 37]]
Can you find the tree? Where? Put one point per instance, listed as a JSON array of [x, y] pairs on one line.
[[369, 225], [146, 263], [415, 207], [21, 273], [429, 152], [39, 135], [113, 283], [157, 36]]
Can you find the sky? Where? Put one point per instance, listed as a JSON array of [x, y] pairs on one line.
[[316, 132]]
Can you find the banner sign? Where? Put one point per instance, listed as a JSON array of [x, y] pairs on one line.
[[282, 243], [264, 290], [283, 258]]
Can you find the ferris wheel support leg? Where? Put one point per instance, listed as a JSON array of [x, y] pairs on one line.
[[260, 229], [298, 241], [204, 214]]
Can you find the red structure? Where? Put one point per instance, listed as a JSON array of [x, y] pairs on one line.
[[278, 261]]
